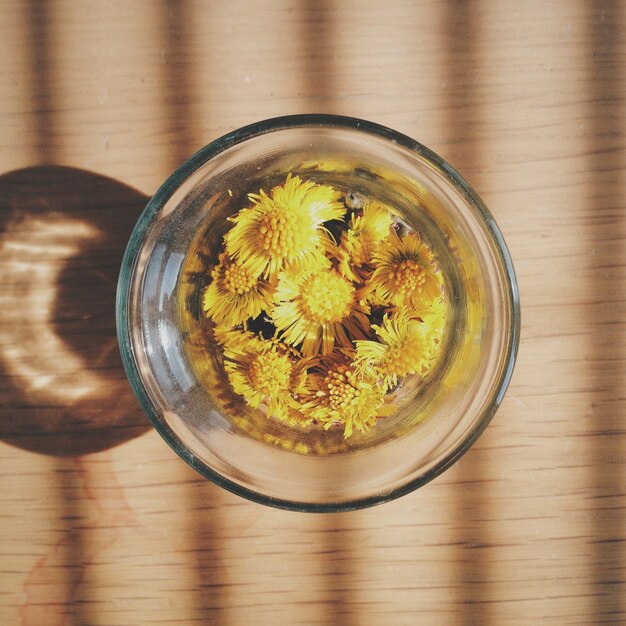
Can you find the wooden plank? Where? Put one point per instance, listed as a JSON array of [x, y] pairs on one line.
[[100, 523]]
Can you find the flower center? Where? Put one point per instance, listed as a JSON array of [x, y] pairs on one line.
[[327, 298], [341, 388], [285, 236], [407, 276], [236, 279], [270, 373]]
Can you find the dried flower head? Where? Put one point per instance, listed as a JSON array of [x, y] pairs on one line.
[[343, 396], [318, 310], [405, 346], [235, 294], [285, 228], [365, 232], [406, 273], [265, 372], [315, 356]]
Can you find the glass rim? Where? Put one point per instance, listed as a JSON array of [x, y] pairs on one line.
[[245, 133]]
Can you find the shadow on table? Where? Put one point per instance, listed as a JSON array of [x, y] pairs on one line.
[[473, 576], [606, 218], [63, 391], [63, 232]]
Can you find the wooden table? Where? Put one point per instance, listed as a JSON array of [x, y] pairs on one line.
[[100, 522]]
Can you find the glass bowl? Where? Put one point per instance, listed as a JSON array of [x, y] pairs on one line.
[[177, 378]]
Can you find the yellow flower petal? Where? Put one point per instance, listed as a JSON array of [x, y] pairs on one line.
[[285, 229], [318, 310], [235, 294], [366, 231], [406, 273], [406, 346], [265, 372], [342, 396], [282, 268]]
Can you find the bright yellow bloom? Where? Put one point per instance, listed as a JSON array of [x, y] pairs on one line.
[[235, 294], [340, 395], [406, 273], [284, 229], [405, 346], [365, 232], [265, 372], [294, 268], [318, 310]]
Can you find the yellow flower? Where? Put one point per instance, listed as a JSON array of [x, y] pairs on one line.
[[340, 395], [406, 346], [406, 273], [265, 372], [235, 294], [365, 232], [318, 309], [284, 228]]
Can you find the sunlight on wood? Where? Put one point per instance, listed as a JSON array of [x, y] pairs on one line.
[[400, 81], [405, 563], [265, 569], [228, 55], [33, 251], [42, 534], [134, 534], [526, 124], [17, 83], [527, 99], [109, 90]]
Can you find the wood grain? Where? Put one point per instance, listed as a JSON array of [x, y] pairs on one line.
[[100, 523]]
